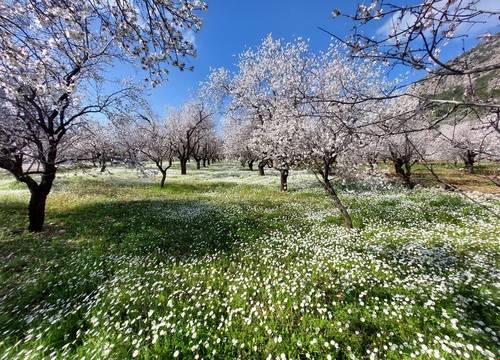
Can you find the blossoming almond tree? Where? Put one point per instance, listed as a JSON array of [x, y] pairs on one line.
[[212, 148], [186, 126], [263, 97], [153, 142], [468, 141], [96, 142], [209, 148], [237, 136], [302, 108], [334, 123], [404, 135], [54, 58]]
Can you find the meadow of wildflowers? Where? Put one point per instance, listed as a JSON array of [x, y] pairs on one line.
[[220, 265]]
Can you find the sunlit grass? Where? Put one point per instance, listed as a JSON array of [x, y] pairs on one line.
[[483, 179], [220, 264]]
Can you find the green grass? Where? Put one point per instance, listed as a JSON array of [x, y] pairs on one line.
[[220, 264], [482, 85]]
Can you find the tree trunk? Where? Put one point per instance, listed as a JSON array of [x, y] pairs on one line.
[[338, 204], [469, 162], [183, 166], [36, 209], [163, 178], [204, 162], [261, 168], [403, 170], [208, 162], [198, 164], [371, 164], [250, 165], [283, 179]]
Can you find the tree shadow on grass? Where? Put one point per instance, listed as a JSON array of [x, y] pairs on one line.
[[61, 269], [198, 187], [177, 227]]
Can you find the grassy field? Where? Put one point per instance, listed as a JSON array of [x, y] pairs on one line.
[[482, 180], [220, 265]]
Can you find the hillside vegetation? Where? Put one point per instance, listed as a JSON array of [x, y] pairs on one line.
[[486, 84]]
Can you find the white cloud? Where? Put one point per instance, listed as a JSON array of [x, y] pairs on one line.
[[484, 22], [487, 22], [190, 36], [386, 29]]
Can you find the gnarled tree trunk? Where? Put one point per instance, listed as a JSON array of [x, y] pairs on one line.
[[338, 204], [163, 178], [261, 167], [38, 198], [469, 160], [102, 163], [250, 165], [183, 166], [325, 172], [36, 210], [403, 170], [283, 179]]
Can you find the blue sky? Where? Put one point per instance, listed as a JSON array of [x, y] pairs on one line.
[[231, 26]]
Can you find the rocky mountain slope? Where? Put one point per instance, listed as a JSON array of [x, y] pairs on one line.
[[485, 85]]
